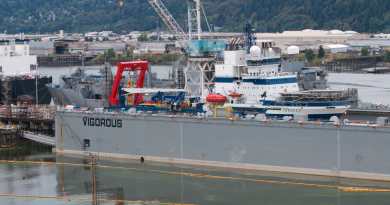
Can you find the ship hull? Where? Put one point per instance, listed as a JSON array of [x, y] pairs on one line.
[[308, 148], [65, 97], [22, 87]]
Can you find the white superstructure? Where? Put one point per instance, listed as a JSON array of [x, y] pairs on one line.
[[255, 82], [254, 75], [15, 58]]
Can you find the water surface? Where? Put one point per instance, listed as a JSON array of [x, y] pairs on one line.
[[135, 185]]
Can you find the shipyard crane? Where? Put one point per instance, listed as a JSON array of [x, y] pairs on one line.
[[173, 26], [202, 54], [128, 66]]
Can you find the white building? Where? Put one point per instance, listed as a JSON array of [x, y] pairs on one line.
[[337, 48], [293, 50], [15, 58]]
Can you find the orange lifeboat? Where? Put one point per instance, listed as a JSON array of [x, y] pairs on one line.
[[235, 95], [216, 98]]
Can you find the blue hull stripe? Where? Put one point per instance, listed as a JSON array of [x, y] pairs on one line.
[[314, 116], [225, 80], [270, 81], [309, 104]]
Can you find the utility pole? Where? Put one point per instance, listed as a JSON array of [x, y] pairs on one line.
[[36, 84], [340, 31], [95, 182]]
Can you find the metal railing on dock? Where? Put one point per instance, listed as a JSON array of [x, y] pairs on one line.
[[40, 138]]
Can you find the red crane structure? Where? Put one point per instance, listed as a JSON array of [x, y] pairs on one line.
[[128, 66]]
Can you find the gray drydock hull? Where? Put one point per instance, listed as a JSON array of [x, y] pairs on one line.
[[310, 148], [65, 97]]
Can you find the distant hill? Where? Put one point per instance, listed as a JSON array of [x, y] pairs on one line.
[[28, 16]]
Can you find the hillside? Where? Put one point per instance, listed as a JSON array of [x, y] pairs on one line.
[[266, 15]]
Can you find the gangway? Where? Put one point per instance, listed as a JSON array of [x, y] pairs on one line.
[[44, 139]]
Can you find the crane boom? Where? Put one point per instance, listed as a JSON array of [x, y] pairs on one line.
[[173, 26]]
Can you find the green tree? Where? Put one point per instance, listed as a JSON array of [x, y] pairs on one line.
[[143, 37], [29, 16], [347, 27], [90, 39], [86, 39], [309, 54], [364, 51], [153, 38], [174, 38], [321, 52], [128, 53], [110, 53]]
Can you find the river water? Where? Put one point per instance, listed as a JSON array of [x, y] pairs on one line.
[[373, 88], [165, 187]]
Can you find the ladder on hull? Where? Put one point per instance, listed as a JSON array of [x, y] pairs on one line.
[[71, 132]]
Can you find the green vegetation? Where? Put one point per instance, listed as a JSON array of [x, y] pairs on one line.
[[386, 57], [309, 54], [110, 53], [230, 15], [143, 37], [129, 52], [365, 51], [321, 52]]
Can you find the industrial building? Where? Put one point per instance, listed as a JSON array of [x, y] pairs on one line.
[[42, 48], [376, 44], [308, 35], [309, 38], [334, 48]]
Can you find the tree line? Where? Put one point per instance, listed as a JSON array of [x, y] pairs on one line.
[[82, 16]]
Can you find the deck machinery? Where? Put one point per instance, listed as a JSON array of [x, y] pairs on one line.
[[160, 102]]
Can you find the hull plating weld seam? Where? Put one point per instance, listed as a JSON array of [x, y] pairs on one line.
[[85, 199], [343, 188]]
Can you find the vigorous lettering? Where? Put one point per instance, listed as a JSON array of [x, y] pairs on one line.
[[102, 122]]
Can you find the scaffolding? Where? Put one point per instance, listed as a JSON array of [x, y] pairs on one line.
[[95, 180], [199, 76], [6, 91], [319, 96], [108, 82]]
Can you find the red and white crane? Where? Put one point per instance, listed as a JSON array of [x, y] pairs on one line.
[[128, 66]]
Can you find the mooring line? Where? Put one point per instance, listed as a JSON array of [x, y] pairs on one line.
[[344, 188], [86, 199]]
